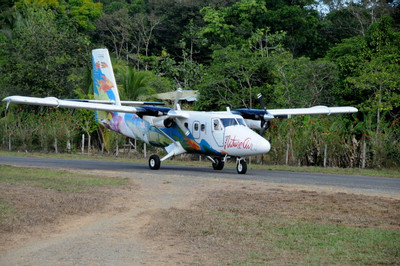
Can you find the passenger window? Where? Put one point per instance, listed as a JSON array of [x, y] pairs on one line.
[[196, 126], [186, 125], [203, 127]]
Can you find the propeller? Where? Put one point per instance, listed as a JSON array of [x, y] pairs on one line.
[[266, 117], [177, 97]]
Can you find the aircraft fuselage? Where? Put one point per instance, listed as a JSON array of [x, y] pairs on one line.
[[210, 133]]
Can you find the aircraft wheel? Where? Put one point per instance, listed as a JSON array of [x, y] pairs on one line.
[[241, 167], [154, 162], [219, 164]]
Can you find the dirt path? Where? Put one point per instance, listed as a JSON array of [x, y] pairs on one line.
[[116, 238], [109, 238]]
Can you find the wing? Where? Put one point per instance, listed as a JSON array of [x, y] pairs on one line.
[[322, 110], [258, 118], [154, 111], [54, 102], [286, 113]]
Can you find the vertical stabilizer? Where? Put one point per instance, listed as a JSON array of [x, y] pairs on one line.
[[104, 84], [105, 87]]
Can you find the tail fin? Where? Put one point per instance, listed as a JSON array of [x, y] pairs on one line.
[[104, 84]]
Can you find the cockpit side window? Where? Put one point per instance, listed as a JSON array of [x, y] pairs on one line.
[[217, 124]]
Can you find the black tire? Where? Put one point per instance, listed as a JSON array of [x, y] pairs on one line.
[[241, 167], [154, 162], [219, 164]]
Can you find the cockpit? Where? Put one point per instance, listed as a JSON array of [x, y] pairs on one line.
[[227, 122]]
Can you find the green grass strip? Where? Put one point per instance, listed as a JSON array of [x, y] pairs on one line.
[[54, 179], [307, 243]]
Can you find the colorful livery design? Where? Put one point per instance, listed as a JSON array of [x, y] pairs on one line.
[[216, 135]]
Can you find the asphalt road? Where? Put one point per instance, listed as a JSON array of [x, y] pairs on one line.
[[361, 183]]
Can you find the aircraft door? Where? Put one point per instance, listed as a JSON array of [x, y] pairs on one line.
[[218, 131]]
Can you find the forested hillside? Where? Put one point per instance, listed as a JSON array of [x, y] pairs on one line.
[[296, 53]]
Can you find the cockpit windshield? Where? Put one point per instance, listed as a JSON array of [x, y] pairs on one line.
[[232, 122], [241, 121]]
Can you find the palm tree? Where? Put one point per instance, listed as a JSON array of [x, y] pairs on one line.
[[135, 84]]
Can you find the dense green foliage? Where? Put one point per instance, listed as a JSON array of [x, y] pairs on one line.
[[296, 53]]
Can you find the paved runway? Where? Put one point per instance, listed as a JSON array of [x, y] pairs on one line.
[[361, 183]]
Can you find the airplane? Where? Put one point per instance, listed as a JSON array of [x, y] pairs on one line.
[[216, 135]]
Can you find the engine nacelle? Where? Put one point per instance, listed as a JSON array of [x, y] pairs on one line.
[[159, 121], [255, 124]]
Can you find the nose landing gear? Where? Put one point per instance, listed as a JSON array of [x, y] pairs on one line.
[[241, 166]]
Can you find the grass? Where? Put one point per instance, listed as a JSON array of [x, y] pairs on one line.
[[53, 179], [30, 197], [276, 227], [6, 209], [329, 244], [393, 173], [311, 243]]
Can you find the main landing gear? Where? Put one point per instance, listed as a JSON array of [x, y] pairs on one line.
[[154, 162], [218, 163]]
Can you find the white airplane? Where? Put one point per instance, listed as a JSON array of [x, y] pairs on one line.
[[216, 135]]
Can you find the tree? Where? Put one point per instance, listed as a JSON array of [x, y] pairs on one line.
[[146, 25], [235, 24], [135, 84], [77, 13], [115, 30], [176, 17], [44, 58], [301, 82], [369, 64], [369, 67], [233, 79]]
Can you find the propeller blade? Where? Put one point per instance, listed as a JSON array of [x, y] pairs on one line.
[[177, 97], [261, 100], [266, 117]]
